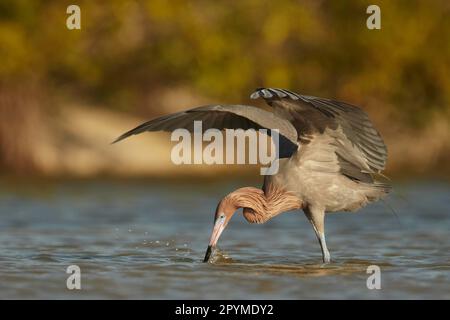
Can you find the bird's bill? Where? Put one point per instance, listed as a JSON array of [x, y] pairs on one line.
[[219, 226], [208, 253]]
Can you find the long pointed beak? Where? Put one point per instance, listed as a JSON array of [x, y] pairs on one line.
[[219, 226], [208, 254]]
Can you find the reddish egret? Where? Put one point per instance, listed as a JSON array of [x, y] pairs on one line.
[[330, 157]]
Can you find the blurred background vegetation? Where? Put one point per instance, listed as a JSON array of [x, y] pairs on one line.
[[61, 89]]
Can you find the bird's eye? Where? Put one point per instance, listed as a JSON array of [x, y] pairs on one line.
[[222, 216]]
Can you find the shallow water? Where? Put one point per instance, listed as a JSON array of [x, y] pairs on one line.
[[146, 241]]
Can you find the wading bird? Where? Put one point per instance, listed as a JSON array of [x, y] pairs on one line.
[[329, 157]]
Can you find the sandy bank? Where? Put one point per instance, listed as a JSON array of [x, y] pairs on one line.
[[77, 142]]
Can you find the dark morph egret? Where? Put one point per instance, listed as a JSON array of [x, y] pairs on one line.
[[330, 155]]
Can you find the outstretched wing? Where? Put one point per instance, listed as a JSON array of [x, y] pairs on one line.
[[224, 117], [357, 144]]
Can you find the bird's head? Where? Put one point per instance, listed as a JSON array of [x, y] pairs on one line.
[[225, 210], [257, 208], [247, 198]]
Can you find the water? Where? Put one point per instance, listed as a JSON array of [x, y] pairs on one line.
[[146, 241]]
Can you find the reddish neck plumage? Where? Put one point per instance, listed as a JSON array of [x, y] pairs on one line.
[[259, 207]]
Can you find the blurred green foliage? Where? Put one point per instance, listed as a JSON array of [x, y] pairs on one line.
[[224, 49]]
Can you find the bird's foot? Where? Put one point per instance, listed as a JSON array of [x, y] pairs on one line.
[[326, 257]]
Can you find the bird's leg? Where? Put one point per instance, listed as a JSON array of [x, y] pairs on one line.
[[323, 245], [317, 219]]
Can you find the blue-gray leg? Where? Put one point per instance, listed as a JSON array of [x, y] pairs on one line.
[[317, 218]]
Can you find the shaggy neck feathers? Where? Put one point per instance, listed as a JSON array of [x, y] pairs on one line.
[[259, 207]]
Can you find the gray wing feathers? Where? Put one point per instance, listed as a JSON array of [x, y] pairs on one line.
[[359, 146], [220, 117], [359, 130]]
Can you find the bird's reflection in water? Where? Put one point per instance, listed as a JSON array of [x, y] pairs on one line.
[[307, 267]]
